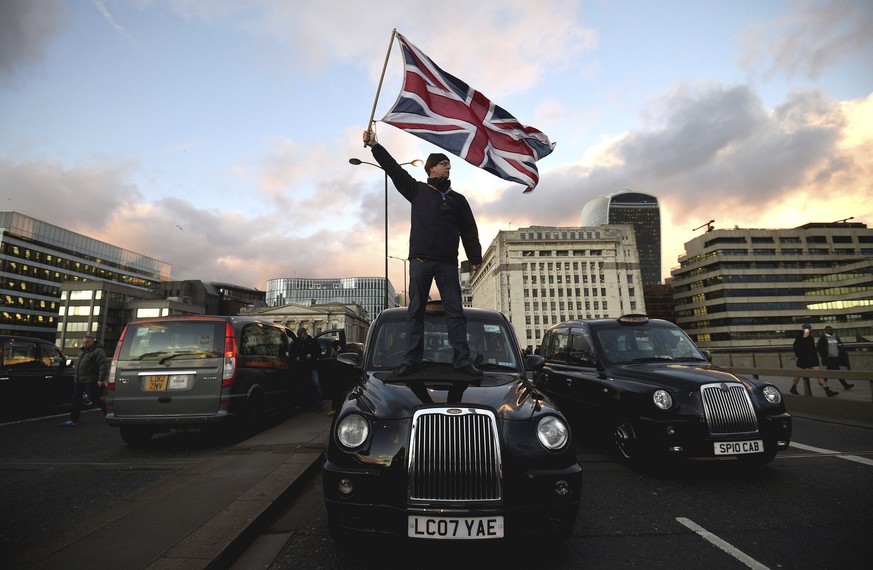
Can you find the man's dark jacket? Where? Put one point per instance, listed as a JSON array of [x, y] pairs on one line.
[[93, 365], [435, 231], [301, 348]]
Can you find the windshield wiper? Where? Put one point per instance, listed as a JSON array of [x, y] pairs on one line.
[[150, 354], [653, 359], [172, 356]]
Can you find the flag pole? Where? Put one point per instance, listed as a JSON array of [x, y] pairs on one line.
[[379, 88]]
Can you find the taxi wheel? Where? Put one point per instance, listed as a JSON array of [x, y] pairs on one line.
[[625, 440]]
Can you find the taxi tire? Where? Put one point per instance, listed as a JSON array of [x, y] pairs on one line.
[[624, 441]]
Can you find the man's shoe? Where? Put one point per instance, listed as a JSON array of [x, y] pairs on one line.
[[830, 392], [405, 369], [469, 369], [794, 391], [69, 423], [848, 386]]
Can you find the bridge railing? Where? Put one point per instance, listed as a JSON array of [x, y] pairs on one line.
[[779, 361]]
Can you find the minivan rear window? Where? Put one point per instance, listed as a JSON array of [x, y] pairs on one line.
[[158, 340]]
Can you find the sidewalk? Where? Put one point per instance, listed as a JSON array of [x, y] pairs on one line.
[[852, 407], [197, 518]]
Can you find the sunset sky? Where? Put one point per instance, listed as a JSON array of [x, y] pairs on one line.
[[216, 134]]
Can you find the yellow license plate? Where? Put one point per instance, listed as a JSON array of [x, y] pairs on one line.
[[156, 383]]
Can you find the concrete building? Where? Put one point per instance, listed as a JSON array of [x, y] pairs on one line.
[[754, 287], [369, 292], [37, 257], [540, 276], [643, 212]]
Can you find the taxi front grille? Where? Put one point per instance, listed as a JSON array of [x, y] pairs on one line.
[[454, 457], [728, 409]]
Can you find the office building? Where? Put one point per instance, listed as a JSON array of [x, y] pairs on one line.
[[754, 287], [540, 276], [37, 257], [639, 210], [369, 292]]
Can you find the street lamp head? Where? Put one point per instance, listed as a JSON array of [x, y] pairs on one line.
[[355, 161], [417, 162]]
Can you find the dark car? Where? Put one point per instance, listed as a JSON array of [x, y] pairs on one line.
[[34, 373], [193, 371], [644, 385], [442, 455]]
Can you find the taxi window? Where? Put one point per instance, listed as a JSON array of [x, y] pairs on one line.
[[556, 347]]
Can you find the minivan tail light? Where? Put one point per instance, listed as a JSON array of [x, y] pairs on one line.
[[113, 366], [229, 372]]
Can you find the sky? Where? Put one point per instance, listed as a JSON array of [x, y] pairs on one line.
[[216, 134]]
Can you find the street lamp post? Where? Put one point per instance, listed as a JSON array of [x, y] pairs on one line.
[[356, 162], [404, 277]]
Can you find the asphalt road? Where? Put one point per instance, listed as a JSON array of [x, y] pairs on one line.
[[810, 508], [52, 475]]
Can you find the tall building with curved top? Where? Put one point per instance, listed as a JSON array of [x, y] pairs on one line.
[[643, 212]]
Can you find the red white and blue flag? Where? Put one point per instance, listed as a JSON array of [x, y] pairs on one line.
[[446, 112]]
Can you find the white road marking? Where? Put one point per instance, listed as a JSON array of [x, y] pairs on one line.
[[841, 455], [724, 545]]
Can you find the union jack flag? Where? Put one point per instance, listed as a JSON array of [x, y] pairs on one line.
[[443, 110]]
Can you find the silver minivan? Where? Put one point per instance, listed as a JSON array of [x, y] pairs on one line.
[[188, 371]]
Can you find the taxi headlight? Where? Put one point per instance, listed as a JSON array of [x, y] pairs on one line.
[[772, 394], [352, 430], [552, 432], [662, 399]]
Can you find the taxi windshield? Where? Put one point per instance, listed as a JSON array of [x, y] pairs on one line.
[[491, 347], [625, 345]]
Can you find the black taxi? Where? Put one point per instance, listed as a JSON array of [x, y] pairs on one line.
[[646, 387], [440, 455]]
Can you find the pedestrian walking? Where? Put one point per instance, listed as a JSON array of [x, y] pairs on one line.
[[92, 374], [304, 354], [833, 353], [807, 358]]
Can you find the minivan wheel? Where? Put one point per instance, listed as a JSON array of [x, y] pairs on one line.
[[135, 435]]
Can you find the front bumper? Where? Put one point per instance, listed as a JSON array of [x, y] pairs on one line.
[[378, 504], [690, 438]]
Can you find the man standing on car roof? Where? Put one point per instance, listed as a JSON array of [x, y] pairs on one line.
[[92, 372], [440, 219]]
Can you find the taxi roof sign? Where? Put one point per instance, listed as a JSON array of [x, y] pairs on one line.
[[633, 319]]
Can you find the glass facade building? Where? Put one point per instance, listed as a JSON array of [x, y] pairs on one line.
[[369, 292], [753, 287], [641, 211], [37, 257]]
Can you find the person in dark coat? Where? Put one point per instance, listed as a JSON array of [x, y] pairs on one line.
[[807, 358], [832, 352], [304, 355], [440, 219], [92, 374]]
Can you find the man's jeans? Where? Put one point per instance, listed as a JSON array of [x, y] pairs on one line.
[[422, 273]]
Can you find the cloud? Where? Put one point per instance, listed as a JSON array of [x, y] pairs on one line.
[[714, 151], [514, 40], [25, 29], [808, 42]]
